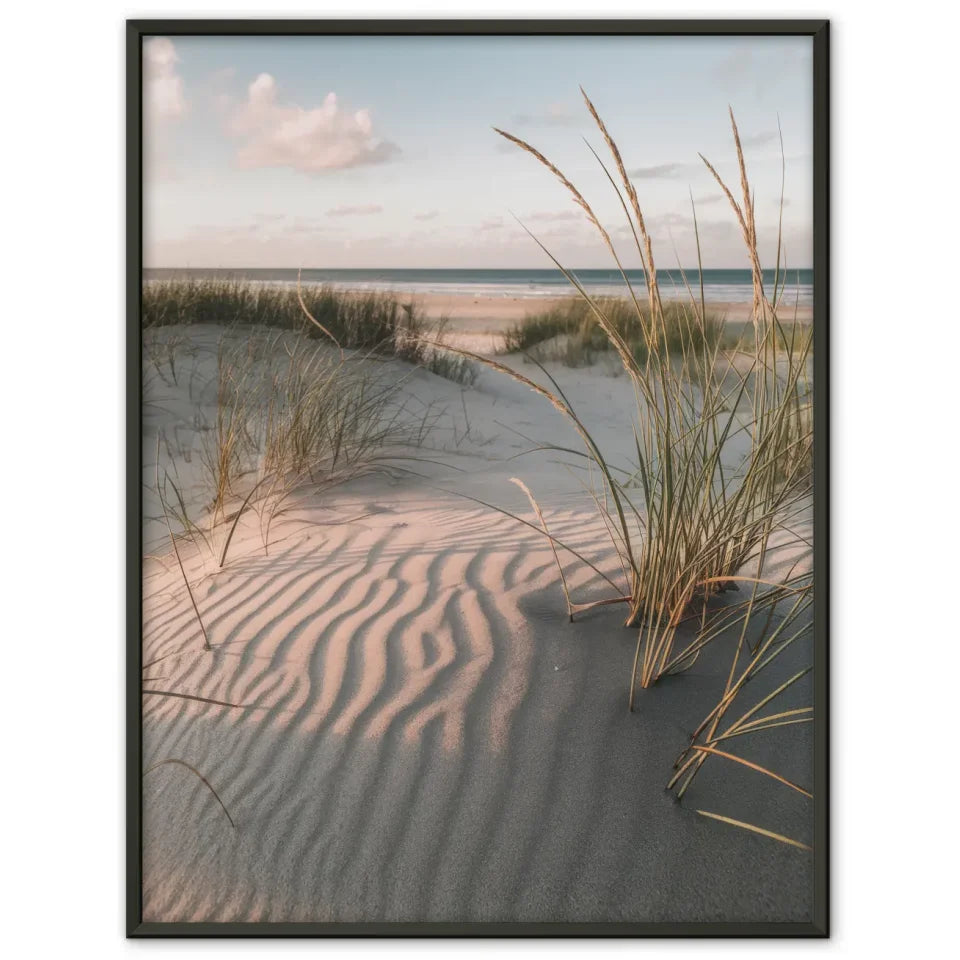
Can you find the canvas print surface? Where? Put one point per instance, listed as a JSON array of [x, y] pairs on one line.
[[477, 430]]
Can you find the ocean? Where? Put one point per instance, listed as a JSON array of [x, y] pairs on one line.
[[720, 286]]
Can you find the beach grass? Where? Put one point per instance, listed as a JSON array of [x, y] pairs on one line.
[[361, 320], [571, 334], [291, 412], [383, 323], [302, 391], [768, 623], [689, 517]]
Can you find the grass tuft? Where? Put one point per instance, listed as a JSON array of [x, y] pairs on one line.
[[571, 334], [722, 434], [380, 322], [294, 408]]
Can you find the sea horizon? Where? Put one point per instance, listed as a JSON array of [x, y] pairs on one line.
[[731, 285]]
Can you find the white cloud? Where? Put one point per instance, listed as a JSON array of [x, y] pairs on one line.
[[494, 223], [550, 217], [163, 97], [361, 211], [310, 140], [164, 105], [427, 215], [661, 171]]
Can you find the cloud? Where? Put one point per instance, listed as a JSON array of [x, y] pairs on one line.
[[216, 235], [661, 171], [660, 226], [671, 171], [164, 106], [163, 97], [708, 199], [311, 140], [359, 211], [557, 232], [546, 216], [553, 115], [666, 221], [263, 228], [496, 223], [427, 215], [309, 225], [759, 139]]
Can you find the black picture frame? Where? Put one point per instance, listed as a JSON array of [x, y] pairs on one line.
[[819, 31]]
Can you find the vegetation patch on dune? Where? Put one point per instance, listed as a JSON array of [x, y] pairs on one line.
[[357, 320], [687, 523], [383, 323], [571, 334]]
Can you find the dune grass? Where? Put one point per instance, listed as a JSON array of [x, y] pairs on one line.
[[765, 625], [382, 322], [376, 322], [308, 395], [292, 412], [449, 365], [293, 416], [723, 436], [571, 334], [301, 395]]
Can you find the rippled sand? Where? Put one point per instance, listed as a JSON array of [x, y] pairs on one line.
[[420, 733]]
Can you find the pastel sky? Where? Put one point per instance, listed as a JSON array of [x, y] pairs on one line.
[[379, 152]]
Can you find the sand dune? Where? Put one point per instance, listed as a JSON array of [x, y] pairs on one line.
[[420, 733]]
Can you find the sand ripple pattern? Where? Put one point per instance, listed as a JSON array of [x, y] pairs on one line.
[[421, 735]]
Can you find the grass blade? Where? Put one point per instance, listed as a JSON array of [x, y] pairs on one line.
[[200, 777], [754, 829]]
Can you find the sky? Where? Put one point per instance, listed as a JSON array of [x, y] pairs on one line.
[[380, 151]]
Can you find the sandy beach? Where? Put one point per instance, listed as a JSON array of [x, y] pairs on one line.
[[415, 730]]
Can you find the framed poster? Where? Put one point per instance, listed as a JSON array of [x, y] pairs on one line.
[[478, 478]]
